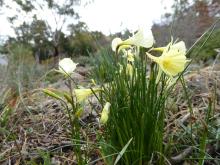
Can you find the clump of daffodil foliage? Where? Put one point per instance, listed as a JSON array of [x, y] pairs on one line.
[[132, 85], [136, 86]]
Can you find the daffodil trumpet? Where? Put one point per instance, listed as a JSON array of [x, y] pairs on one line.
[[173, 59]]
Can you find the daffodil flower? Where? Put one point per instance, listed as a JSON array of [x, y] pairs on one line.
[[141, 39], [66, 66], [173, 59], [82, 94], [105, 113]]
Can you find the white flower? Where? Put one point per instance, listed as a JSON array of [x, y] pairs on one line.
[[67, 66], [143, 38]]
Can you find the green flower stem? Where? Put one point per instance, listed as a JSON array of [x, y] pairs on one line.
[[75, 127]]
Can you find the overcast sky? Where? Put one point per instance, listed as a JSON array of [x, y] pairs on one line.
[[115, 15], [109, 16]]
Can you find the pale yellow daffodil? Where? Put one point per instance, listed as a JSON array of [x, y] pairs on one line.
[[173, 59], [82, 94], [141, 39], [105, 113], [66, 66]]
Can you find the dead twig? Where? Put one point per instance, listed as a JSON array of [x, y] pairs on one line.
[[181, 156]]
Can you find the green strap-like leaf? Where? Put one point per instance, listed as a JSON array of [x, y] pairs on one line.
[[122, 152]]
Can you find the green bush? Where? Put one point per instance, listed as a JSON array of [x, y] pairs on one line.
[[208, 49], [83, 44]]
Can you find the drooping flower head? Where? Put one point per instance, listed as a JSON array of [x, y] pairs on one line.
[[142, 39], [173, 59], [67, 66]]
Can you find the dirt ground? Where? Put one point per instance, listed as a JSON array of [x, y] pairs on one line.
[[40, 124]]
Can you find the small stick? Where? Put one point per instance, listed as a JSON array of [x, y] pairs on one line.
[[181, 156]]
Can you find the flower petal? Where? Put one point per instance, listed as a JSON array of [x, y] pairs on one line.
[[179, 46], [142, 38], [115, 43]]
